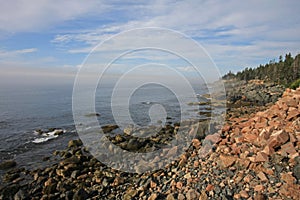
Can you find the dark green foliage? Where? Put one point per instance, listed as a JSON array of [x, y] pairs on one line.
[[228, 76], [283, 72], [295, 84]]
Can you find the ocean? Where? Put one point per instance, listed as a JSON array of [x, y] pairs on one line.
[[25, 109]]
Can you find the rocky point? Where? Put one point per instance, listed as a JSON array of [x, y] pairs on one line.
[[254, 157]]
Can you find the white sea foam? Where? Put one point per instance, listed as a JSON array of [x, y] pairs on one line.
[[48, 136]]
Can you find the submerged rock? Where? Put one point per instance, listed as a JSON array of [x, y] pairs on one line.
[[7, 164]]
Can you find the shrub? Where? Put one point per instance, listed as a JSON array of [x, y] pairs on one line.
[[295, 84]]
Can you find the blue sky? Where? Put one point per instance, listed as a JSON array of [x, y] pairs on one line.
[[54, 35]]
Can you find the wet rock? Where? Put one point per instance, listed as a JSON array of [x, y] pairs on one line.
[[59, 132], [7, 164], [93, 114], [74, 143], [109, 128]]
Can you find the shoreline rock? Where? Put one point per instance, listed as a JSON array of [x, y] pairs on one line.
[[254, 156]]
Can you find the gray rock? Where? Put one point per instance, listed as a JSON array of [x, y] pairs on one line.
[[296, 171]]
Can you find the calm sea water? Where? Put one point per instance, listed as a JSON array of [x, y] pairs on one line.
[[25, 109]]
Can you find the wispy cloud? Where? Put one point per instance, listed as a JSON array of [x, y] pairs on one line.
[[8, 54], [235, 33], [228, 31], [19, 15]]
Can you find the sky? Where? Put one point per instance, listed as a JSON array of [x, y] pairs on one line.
[[52, 37]]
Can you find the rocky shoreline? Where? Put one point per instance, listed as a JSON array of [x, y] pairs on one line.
[[254, 156]]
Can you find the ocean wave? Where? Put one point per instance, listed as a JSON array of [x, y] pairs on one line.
[[44, 137]]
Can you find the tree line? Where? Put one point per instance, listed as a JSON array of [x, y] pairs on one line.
[[286, 71]]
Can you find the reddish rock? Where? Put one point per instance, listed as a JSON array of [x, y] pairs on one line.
[[153, 184], [236, 131], [259, 188], [269, 130], [278, 138], [196, 164], [249, 137], [214, 138], [227, 161], [288, 178], [290, 190], [209, 187], [236, 196], [261, 157], [263, 136], [288, 148], [268, 171], [282, 105], [292, 102], [239, 139], [292, 113], [235, 149], [246, 129], [268, 150], [275, 123], [196, 143], [183, 160], [244, 194], [262, 177], [244, 163], [204, 150], [260, 125], [179, 185], [292, 138], [226, 128]]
